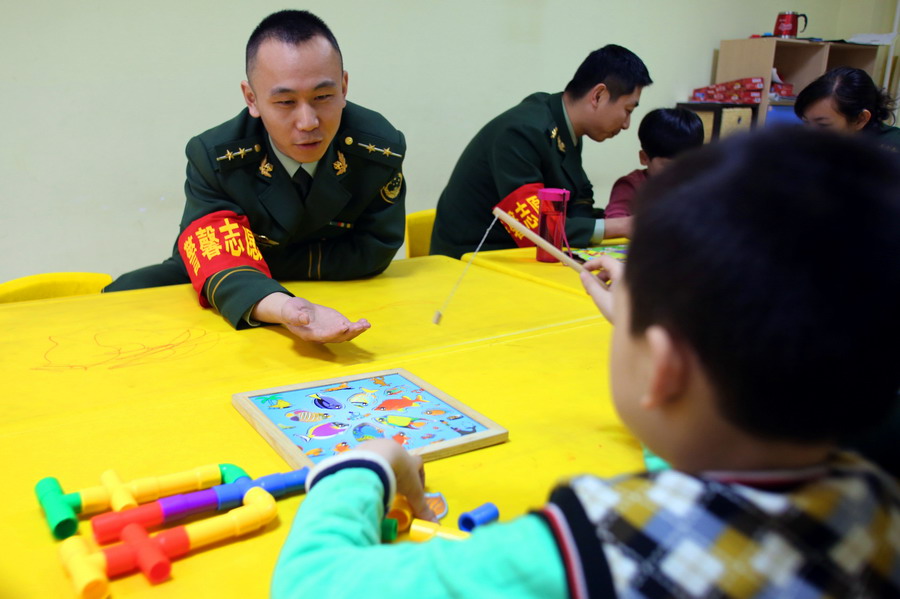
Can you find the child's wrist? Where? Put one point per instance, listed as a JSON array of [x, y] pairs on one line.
[[358, 458]]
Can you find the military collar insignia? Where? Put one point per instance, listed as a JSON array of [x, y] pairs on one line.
[[266, 167], [340, 165], [554, 134]]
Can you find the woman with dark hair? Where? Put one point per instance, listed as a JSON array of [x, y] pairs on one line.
[[846, 99]]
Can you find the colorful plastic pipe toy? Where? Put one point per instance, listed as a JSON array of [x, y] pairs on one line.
[[423, 530], [401, 511], [61, 509], [108, 527], [90, 572], [483, 514]]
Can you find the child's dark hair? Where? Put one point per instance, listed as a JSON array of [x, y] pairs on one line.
[[619, 68], [666, 132], [853, 91], [741, 250]]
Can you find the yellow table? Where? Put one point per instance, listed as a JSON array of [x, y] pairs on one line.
[[141, 382], [521, 262]]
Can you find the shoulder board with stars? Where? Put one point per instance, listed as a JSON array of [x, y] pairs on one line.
[[372, 148], [239, 153]]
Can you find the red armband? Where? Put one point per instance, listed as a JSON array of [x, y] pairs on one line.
[[216, 242], [524, 206]]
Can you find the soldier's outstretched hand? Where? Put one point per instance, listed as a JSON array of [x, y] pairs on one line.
[[308, 321]]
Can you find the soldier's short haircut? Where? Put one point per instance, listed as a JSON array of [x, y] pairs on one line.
[[290, 27], [618, 68]]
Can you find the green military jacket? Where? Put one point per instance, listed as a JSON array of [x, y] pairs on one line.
[[529, 143], [349, 225]]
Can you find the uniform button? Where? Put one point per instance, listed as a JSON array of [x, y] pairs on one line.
[[348, 140]]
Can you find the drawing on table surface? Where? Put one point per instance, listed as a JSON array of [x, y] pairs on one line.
[[122, 348]]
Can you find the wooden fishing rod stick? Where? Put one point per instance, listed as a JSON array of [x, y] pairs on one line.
[[538, 240]]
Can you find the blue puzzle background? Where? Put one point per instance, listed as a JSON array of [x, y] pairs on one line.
[[329, 419]]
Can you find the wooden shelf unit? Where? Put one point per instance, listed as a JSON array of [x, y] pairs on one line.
[[798, 62]]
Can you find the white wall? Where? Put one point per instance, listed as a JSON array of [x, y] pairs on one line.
[[99, 97]]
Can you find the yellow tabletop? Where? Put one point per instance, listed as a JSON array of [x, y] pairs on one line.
[[141, 382], [521, 262]]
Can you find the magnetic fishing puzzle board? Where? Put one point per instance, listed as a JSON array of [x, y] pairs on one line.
[[309, 422], [619, 252]]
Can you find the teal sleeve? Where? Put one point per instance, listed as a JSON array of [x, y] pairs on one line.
[[333, 550]]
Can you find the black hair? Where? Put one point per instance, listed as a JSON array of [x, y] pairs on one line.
[[617, 67], [853, 91], [290, 27], [735, 252], [666, 132]]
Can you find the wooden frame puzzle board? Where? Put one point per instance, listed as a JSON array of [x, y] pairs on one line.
[[619, 252], [309, 422]]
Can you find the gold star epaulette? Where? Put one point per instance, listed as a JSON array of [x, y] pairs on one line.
[[239, 153], [372, 148]]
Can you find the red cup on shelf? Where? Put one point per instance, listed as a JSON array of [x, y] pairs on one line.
[[552, 221], [788, 23]]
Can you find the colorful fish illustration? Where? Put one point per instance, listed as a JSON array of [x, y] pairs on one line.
[[365, 431], [399, 405], [285, 427], [437, 503], [339, 387], [402, 421], [362, 399], [401, 438], [454, 416], [325, 430], [394, 391], [379, 380], [313, 452], [435, 412], [325, 402], [427, 436], [341, 447], [461, 431], [274, 402], [305, 416]]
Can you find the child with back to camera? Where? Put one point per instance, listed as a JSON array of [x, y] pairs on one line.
[[742, 349], [664, 134]]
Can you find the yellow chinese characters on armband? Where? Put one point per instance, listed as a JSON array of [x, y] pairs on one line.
[[523, 205], [215, 242]]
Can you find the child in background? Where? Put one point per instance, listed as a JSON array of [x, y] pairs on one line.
[[742, 349], [664, 133]]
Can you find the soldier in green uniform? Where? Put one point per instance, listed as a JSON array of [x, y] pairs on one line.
[[538, 144], [301, 185]]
